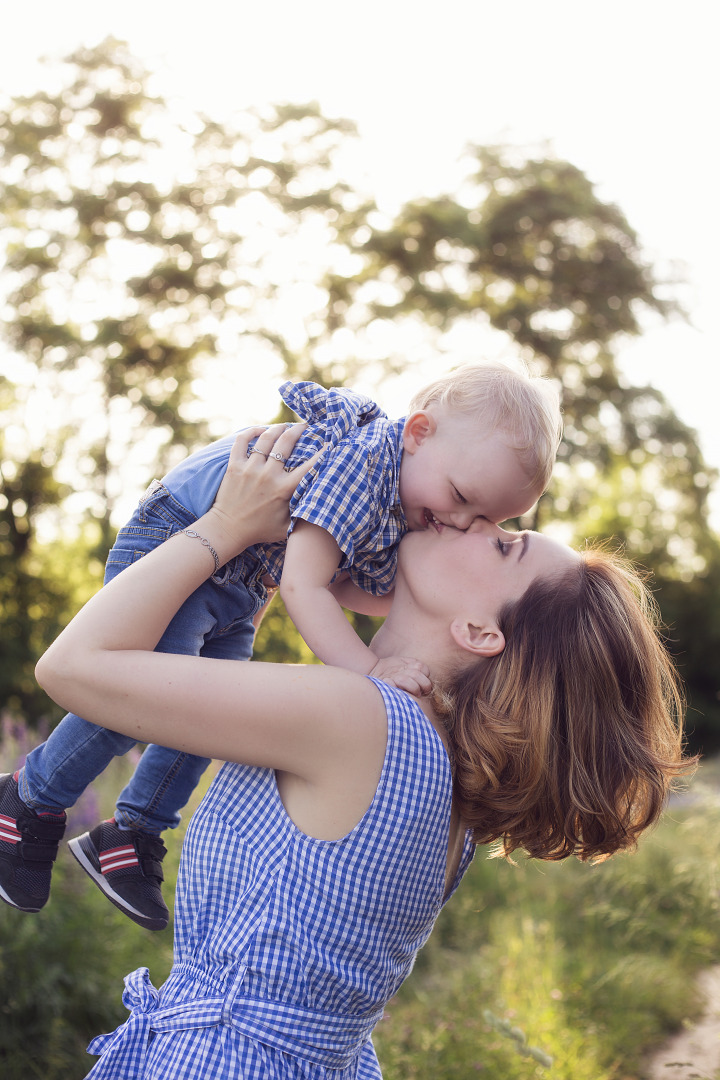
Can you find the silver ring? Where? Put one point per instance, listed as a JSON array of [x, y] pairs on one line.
[[254, 450], [278, 457]]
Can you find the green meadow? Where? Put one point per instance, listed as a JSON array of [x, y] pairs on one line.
[[565, 971]]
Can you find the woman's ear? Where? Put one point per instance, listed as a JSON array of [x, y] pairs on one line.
[[418, 427], [487, 640]]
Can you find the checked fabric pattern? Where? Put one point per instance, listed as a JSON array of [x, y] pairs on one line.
[[352, 492], [287, 948]]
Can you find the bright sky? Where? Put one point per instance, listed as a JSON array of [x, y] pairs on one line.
[[628, 90]]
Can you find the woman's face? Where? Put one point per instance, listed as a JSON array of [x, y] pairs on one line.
[[475, 573]]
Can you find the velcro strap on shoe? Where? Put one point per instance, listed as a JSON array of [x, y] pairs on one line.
[[151, 867], [151, 851], [37, 853], [39, 831]]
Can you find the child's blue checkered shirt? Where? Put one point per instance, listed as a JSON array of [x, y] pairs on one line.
[[352, 493]]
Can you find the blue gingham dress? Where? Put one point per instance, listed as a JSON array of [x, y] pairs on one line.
[[287, 948]]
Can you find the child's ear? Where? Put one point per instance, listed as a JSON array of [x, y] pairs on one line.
[[487, 640], [418, 427]]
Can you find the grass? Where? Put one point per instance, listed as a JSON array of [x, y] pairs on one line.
[[591, 966], [588, 966]]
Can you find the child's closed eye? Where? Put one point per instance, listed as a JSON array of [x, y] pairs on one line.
[[460, 498]]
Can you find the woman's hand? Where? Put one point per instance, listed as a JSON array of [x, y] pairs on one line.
[[252, 501]]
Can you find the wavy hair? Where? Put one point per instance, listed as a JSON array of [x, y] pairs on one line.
[[567, 743]]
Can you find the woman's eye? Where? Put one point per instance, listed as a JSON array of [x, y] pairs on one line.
[[503, 545]]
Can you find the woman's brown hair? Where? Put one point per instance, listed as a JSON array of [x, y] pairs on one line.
[[568, 741]]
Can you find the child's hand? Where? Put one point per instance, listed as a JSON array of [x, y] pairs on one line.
[[404, 673]]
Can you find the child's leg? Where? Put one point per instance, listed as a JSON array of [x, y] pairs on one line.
[[160, 786], [57, 772], [217, 620]]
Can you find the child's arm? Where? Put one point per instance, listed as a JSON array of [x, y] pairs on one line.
[[351, 596], [311, 560]]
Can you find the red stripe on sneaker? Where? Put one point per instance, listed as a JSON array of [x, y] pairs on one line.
[[9, 830], [115, 858], [118, 864], [113, 851]]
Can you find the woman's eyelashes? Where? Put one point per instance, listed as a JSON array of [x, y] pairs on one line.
[[503, 545]]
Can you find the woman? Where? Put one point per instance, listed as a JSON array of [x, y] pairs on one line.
[[314, 871]]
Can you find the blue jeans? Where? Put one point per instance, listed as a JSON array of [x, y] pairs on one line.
[[215, 621]]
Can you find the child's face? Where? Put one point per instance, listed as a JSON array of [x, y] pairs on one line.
[[452, 473]]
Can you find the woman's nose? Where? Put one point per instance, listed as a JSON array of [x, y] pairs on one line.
[[481, 524], [462, 521]]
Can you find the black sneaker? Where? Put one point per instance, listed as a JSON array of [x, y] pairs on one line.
[[127, 866], [28, 847]]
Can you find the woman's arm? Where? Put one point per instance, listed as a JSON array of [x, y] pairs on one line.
[[294, 719]]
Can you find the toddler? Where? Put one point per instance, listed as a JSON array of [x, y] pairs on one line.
[[479, 442]]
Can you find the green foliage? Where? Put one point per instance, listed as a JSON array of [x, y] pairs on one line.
[[140, 245], [518, 1037], [693, 617], [528, 247], [61, 977], [590, 966], [41, 588], [131, 270], [662, 528], [277, 641]]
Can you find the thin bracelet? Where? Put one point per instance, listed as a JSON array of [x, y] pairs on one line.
[[205, 543]]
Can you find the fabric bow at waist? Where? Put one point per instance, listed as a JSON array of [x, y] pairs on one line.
[[322, 1038]]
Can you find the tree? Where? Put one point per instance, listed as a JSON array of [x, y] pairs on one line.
[[527, 248], [140, 246], [132, 248]]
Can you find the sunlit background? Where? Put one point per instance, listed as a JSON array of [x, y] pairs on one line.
[[625, 91], [596, 964]]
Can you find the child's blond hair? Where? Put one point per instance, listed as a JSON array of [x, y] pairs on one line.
[[524, 408]]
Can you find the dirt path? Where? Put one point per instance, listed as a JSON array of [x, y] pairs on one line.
[[694, 1054]]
